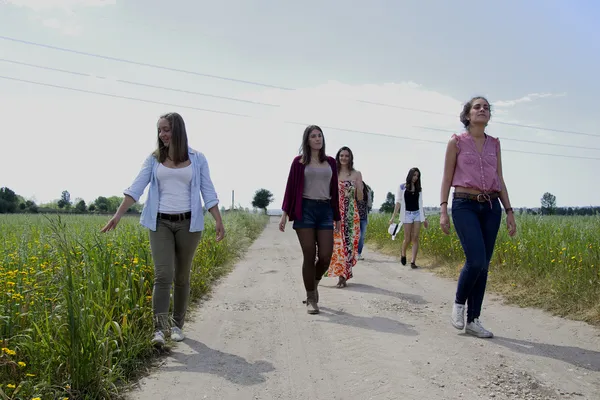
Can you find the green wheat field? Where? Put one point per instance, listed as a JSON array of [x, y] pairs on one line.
[[75, 304], [552, 263]]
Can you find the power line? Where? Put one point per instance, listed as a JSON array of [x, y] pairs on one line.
[[254, 117], [183, 71], [65, 71], [496, 122], [517, 140], [122, 60], [123, 97], [87, 75]]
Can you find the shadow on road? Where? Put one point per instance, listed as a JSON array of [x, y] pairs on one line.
[[582, 358], [376, 261], [410, 298], [229, 366], [379, 324]]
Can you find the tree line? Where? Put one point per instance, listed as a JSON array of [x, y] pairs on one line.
[[11, 202], [547, 207]]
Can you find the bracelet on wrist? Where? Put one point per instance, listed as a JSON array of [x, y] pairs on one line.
[[443, 202], [509, 209]]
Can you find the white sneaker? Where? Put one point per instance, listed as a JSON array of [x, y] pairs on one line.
[[176, 334], [360, 257], [458, 316], [476, 329], [158, 338]]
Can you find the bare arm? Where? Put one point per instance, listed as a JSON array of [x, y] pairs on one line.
[[449, 165], [396, 210], [503, 191], [127, 202], [359, 186], [398, 200], [214, 211], [114, 221]]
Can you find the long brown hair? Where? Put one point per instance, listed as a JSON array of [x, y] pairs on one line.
[[178, 141], [337, 159], [409, 177], [305, 148]]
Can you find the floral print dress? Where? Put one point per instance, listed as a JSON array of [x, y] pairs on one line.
[[345, 243]]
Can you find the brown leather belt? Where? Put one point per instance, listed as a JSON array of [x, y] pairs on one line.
[[175, 217], [480, 197]]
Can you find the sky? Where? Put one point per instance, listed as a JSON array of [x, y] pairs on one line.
[[386, 78]]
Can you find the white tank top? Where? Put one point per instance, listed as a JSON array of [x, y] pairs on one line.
[[174, 187]]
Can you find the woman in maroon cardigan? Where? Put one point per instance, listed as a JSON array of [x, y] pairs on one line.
[[311, 202]]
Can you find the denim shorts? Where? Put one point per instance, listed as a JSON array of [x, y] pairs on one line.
[[316, 214], [413, 216]]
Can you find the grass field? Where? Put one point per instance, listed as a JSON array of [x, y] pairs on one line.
[[75, 304], [552, 263]]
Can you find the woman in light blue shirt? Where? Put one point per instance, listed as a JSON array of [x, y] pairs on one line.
[[173, 213]]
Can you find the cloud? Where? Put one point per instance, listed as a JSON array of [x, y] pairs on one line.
[[66, 27], [59, 14], [41, 5], [392, 107], [527, 99], [386, 141]]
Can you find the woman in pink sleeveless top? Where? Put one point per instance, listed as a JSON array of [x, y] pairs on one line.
[[473, 166]]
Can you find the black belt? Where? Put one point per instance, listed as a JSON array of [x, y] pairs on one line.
[[175, 217], [480, 197]]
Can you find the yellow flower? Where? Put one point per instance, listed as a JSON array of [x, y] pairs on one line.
[[37, 398], [11, 386], [9, 351], [21, 364]]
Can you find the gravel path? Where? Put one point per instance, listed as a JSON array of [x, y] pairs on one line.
[[386, 336]]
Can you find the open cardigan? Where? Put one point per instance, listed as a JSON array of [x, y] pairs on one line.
[[292, 200]]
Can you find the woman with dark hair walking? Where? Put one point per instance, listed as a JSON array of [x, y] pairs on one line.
[[173, 213], [409, 200], [345, 242], [311, 202], [473, 166]]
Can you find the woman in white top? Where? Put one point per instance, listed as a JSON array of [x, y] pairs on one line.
[[409, 200], [173, 213]]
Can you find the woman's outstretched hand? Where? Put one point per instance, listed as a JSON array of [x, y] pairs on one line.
[[111, 224]]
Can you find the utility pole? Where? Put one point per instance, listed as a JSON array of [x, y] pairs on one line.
[[232, 199]]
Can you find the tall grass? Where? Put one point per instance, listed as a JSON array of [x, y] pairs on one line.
[[553, 262], [75, 309]]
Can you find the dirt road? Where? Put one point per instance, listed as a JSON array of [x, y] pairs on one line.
[[386, 336]]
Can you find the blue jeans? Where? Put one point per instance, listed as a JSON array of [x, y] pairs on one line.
[[316, 214], [363, 231], [477, 227]]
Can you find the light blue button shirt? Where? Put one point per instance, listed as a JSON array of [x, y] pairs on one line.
[[201, 183]]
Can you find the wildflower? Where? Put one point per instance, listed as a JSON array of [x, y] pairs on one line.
[[9, 351], [22, 364]]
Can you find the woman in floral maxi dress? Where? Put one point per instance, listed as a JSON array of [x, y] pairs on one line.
[[345, 242]]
